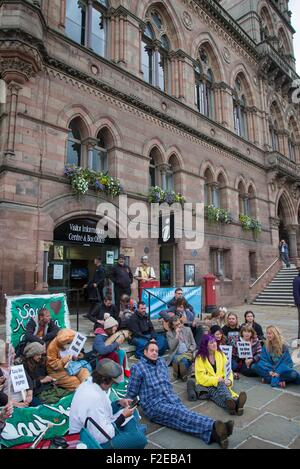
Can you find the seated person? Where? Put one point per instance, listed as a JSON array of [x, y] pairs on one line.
[[245, 365], [34, 362], [276, 366], [91, 401], [41, 329], [218, 333], [150, 381], [107, 308], [182, 345], [142, 331], [127, 308], [232, 329], [18, 399], [216, 318], [179, 296], [210, 378], [250, 319], [5, 414], [186, 316], [56, 364]]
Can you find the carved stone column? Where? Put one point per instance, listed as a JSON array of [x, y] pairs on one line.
[[14, 89], [274, 225], [292, 232]]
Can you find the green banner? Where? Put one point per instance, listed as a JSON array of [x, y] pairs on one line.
[[26, 424], [20, 309]]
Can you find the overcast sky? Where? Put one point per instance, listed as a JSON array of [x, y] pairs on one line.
[[296, 24]]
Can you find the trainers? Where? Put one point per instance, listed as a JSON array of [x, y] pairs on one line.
[[241, 401], [219, 434], [231, 406]]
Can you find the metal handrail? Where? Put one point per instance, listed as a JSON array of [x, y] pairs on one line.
[[264, 273], [149, 302]]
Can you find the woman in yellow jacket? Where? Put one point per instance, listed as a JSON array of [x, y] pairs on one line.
[[210, 377]]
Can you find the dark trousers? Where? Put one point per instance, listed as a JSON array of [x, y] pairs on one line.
[[243, 369], [3, 399], [285, 259], [298, 306], [119, 292]]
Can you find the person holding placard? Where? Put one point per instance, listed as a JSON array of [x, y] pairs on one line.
[[276, 366], [244, 364], [57, 362], [232, 329], [15, 397], [211, 380]]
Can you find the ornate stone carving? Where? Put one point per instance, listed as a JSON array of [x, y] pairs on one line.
[[226, 55], [271, 177], [281, 182], [274, 222], [187, 20], [295, 190]]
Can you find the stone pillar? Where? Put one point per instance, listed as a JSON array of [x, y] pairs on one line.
[[292, 232], [122, 38], [63, 10], [90, 145], [274, 225], [163, 171], [113, 39], [89, 24], [14, 89]]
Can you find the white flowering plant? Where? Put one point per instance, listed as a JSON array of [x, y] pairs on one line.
[[84, 179]]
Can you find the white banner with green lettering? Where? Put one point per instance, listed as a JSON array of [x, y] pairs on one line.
[[20, 309]]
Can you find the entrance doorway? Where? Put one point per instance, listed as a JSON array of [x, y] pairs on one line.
[[167, 266], [71, 257]]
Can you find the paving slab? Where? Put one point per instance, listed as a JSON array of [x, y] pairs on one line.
[[295, 444], [255, 443], [171, 439], [286, 405], [274, 428], [261, 395]]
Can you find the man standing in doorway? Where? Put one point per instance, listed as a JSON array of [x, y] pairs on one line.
[[284, 253], [122, 277], [96, 285], [296, 292]]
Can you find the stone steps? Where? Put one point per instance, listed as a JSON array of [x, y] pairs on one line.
[[279, 292]]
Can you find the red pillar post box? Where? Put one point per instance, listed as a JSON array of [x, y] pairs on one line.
[[147, 284], [210, 293]]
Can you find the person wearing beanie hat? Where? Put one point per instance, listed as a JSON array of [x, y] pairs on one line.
[[102, 349], [35, 367], [32, 349]]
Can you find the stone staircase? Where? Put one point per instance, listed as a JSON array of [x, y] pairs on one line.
[[279, 292]]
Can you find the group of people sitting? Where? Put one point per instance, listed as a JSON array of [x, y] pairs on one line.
[[195, 353]]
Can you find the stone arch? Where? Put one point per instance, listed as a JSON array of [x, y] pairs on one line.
[[266, 17], [203, 168], [75, 110], [216, 63], [240, 72], [283, 38], [252, 194], [175, 154], [284, 202], [238, 180], [170, 15], [222, 185], [276, 114], [156, 145], [223, 172], [115, 137]]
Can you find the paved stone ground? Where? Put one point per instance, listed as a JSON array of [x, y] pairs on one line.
[[271, 418]]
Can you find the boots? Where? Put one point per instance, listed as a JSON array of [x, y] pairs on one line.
[[175, 370], [183, 371], [241, 401], [220, 433], [192, 396]]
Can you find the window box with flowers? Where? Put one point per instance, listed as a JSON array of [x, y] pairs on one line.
[[217, 215], [250, 224], [84, 179], [158, 195]]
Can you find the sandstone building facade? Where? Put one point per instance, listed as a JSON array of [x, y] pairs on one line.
[[195, 96]]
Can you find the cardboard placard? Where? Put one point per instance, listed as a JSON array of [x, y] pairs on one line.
[[76, 346], [227, 350], [244, 350], [19, 378]]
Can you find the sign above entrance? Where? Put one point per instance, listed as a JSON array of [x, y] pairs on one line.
[[83, 232]]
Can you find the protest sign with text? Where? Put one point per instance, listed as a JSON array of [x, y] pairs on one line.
[[19, 378], [244, 350], [227, 350]]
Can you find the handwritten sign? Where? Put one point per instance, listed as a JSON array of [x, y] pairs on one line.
[[244, 350], [227, 350], [18, 378], [76, 346]]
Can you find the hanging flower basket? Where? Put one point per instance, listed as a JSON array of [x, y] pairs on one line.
[[84, 179], [217, 215], [158, 195], [250, 224]]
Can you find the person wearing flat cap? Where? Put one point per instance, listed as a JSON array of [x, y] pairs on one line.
[[109, 423], [122, 277]]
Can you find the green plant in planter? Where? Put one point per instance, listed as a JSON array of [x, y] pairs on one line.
[[217, 215], [84, 179], [158, 195], [249, 224]]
